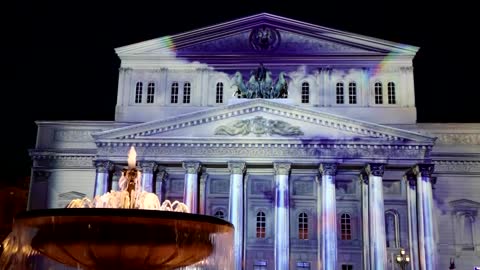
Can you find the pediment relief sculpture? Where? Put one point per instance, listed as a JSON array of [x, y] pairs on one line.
[[259, 126]]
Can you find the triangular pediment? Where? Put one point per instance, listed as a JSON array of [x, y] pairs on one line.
[[265, 34], [465, 204], [264, 120]]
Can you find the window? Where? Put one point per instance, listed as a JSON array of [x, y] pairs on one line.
[[392, 232], [378, 93], [150, 92], [391, 93], [303, 266], [340, 93], [347, 267], [219, 214], [345, 227], [138, 92], [303, 226], [260, 265], [219, 96], [261, 220], [186, 92], [305, 92], [174, 95], [468, 227], [352, 93]]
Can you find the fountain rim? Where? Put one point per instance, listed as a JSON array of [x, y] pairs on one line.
[[119, 212]]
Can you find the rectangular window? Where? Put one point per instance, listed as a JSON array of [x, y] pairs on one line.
[[378, 93], [260, 265], [347, 267]]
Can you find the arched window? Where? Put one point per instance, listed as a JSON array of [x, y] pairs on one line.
[[352, 93], [186, 92], [303, 226], [305, 92], [392, 232], [261, 221], [391, 93], [468, 231], [150, 92], [346, 227], [340, 99], [174, 95], [378, 93], [219, 95], [138, 92], [219, 214]]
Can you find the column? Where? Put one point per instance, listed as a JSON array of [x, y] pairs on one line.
[[329, 216], [148, 169], [101, 179], [235, 209], [160, 184], [190, 189], [378, 245], [203, 194], [319, 228], [426, 243], [282, 216], [365, 223], [412, 220]]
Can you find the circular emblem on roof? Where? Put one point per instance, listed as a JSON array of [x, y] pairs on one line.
[[264, 38]]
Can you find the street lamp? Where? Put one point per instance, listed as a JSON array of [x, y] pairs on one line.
[[403, 259]]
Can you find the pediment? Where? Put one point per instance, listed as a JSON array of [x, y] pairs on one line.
[[265, 34], [264, 120], [465, 204]]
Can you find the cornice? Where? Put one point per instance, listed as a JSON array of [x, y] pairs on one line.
[[341, 123]]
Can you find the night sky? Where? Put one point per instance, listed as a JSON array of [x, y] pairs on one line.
[[61, 63]]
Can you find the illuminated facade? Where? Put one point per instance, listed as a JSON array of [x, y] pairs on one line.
[[304, 137]]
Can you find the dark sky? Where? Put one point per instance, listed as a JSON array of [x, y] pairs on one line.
[[61, 63]]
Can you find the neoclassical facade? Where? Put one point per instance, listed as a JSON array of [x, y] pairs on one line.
[[304, 137]]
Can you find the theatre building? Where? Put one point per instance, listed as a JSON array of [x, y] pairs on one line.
[[302, 136]]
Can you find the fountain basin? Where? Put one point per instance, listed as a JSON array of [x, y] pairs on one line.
[[101, 238]]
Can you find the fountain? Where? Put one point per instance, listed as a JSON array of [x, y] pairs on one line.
[[126, 229]]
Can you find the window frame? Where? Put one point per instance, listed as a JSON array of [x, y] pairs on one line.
[[187, 93], [396, 227], [339, 96], [219, 87], [355, 95], [305, 93], [302, 225], [150, 86], [138, 97], [259, 234], [174, 95], [350, 234], [394, 95]]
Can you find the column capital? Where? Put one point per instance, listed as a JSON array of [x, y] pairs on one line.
[[375, 169], [410, 178], [103, 166], [364, 177], [161, 174], [236, 167], [192, 167], [425, 170], [328, 169], [282, 168], [41, 176], [148, 166]]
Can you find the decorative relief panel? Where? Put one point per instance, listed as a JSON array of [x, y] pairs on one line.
[[345, 187], [302, 187], [392, 188], [73, 135], [259, 126], [219, 186], [261, 187], [176, 186], [458, 138]]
